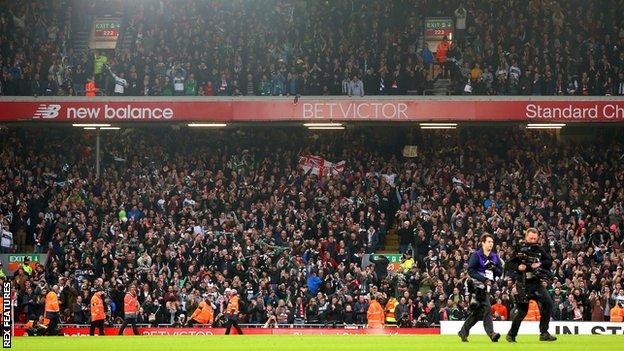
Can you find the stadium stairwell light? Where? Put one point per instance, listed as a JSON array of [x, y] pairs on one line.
[[327, 128], [312, 125], [91, 125], [207, 125], [545, 125], [110, 128], [438, 125], [89, 128]]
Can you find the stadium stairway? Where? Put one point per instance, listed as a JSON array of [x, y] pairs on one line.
[[440, 87], [392, 242], [80, 41], [126, 41]]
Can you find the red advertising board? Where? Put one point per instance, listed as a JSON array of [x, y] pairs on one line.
[[84, 331], [313, 109]]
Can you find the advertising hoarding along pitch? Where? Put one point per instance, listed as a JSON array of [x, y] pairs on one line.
[[315, 109]]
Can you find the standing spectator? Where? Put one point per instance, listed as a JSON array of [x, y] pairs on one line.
[[460, 22], [50, 87], [381, 267], [208, 89], [537, 84], [620, 84], [361, 309], [441, 52], [79, 78], [427, 58], [90, 88], [356, 87], [401, 312], [250, 85], [179, 77], [405, 237], [265, 86], [314, 282], [223, 88], [597, 307], [334, 312], [120, 84], [79, 311], [134, 87], [190, 86]]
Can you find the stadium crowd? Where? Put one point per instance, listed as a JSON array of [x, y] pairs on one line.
[[187, 216], [285, 47]]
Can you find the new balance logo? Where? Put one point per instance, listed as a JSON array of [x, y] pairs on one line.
[[47, 111]]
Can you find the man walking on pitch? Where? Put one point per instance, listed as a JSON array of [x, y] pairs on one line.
[[483, 267], [52, 310], [131, 310], [231, 312], [530, 264], [97, 313]]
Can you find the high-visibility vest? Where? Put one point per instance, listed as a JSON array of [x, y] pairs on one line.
[[232, 306], [533, 314], [97, 307], [203, 313], [90, 89], [27, 269], [131, 305], [501, 309], [51, 302], [390, 307], [375, 315], [617, 314], [407, 265], [441, 51]]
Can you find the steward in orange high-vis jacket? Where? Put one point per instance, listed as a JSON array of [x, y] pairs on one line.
[[131, 311], [97, 313]]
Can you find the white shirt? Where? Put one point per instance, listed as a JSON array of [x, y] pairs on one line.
[[120, 84], [355, 88], [178, 83], [461, 18], [7, 239]]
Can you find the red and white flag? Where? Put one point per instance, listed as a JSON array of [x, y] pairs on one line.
[[319, 166]]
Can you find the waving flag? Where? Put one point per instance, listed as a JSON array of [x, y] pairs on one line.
[[319, 166]]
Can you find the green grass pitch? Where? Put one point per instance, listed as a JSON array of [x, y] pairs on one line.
[[313, 342]]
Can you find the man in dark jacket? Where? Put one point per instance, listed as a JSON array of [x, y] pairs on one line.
[[381, 266], [401, 313], [405, 237], [483, 267], [533, 288]]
